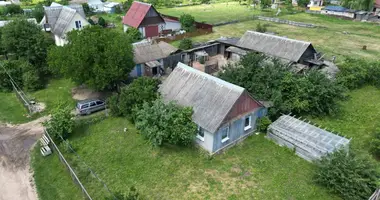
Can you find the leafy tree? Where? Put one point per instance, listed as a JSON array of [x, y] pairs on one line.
[[118, 9], [87, 10], [269, 79], [13, 9], [162, 123], [15, 69], [350, 175], [187, 22], [261, 28], [25, 40], [374, 146], [358, 4], [102, 22], [142, 89], [97, 57], [60, 124], [186, 43], [265, 3], [134, 34], [38, 12]]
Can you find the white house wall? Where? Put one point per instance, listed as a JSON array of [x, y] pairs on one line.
[[342, 14], [208, 141], [170, 25], [72, 26]]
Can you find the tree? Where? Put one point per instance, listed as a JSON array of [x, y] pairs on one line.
[[38, 12], [358, 4], [187, 22], [134, 34], [61, 123], [15, 69], [25, 40], [186, 43], [102, 22], [265, 4], [86, 8], [97, 57], [302, 3], [13, 9], [142, 89], [162, 123], [269, 79], [126, 5], [350, 175]]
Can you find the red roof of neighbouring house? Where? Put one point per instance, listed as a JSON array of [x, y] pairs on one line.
[[136, 14]]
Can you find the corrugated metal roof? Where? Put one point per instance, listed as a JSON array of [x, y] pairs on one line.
[[146, 51], [136, 14], [210, 97], [59, 17], [152, 64], [274, 45]]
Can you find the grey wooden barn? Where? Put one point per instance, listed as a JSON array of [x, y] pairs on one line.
[[310, 142], [225, 113]]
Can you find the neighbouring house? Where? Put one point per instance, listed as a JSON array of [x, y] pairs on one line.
[[338, 11], [5, 3], [96, 5], [59, 20], [315, 3], [309, 142], [224, 113], [145, 18], [5, 22], [149, 58], [110, 7]]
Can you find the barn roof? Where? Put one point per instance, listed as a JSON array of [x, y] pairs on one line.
[[210, 97], [136, 14], [146, 51], [311, 142], [59, 16], [274, 45]]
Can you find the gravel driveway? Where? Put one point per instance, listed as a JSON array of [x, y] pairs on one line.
[[16, 180]]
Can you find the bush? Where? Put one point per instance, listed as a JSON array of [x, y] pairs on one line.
[[133, 194], [261, 28], [187, 22], [112, 104], [31, 80], [13, 9], [374, 146], [15, 69], [61, 123], [102, 22], [162, 123], [134, 34], [263, 123], [349, 175], [186, 43]]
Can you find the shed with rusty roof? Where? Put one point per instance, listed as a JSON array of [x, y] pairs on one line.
[[225, 113]]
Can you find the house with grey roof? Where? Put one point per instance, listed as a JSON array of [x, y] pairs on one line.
[[59, 20], [225, 113], [149, 58]]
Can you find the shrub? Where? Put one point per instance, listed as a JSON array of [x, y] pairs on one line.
[[31, 80], [186, 43], [263, 123], [102, 22], [350, 175], [112, 104], [61, 123], [133, 194], [261, 28], [13, 9], [162, 123], [134, 34], [187, 22], [374, 146]]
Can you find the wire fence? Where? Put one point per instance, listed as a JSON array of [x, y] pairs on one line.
[[23, 98], [67, 165]]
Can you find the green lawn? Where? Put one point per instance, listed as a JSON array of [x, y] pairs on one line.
[[56, 92], [213, 13], [52, 179], [329, 38], [255, 169]]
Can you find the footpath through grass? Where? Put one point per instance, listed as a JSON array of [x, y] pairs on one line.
[[55, 93], [255, 169]]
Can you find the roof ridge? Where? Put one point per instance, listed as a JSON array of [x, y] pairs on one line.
[[143, 3], [279, 37]]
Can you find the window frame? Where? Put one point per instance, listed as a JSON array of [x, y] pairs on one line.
[[202, 138], [249, 126], [227, 136]]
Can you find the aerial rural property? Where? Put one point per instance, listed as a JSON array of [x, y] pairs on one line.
[[178, 99]]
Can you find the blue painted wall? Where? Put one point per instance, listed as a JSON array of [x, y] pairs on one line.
[[236, 129]]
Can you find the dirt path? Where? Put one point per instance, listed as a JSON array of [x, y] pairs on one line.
[[16, 181]]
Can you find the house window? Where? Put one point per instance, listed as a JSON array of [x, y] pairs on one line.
[[78, 24], [225, 134], [247, 123], [201, 133]]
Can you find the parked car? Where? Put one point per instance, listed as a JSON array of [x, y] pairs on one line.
[[87, 107]]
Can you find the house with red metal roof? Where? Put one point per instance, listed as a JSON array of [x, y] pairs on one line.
[[145, 18]]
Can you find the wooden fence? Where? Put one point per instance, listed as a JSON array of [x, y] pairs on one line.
[[67, 165]]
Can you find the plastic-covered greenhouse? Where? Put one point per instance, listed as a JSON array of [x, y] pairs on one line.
[[310, 142]]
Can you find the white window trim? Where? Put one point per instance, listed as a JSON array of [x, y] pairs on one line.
[[228, 134], [250, 123], [200, 137]]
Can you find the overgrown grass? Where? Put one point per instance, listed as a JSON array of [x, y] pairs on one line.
[[56, 92], [214, 13], [115, 19], [254, 169], [52, 179]]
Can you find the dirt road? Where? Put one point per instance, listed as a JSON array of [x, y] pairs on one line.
[[16, 181]]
